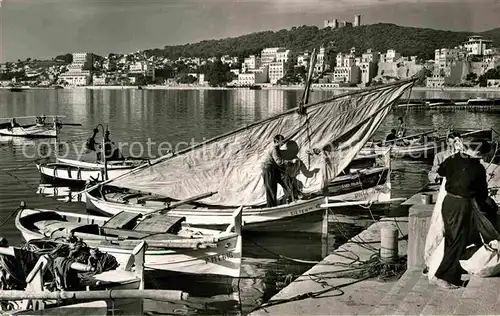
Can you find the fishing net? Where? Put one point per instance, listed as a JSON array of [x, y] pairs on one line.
[[59, 274]]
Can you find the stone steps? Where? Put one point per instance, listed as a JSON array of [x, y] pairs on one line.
[[417, 298], [480, 297], [398, 292], [413, 295]]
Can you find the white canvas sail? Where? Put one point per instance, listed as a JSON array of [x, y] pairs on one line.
[[231, 164]]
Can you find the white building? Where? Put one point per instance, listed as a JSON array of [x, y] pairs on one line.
[[493, 83], [268, 55], [75, 75], [283, 55], [253, 76], [303, 60], [444, 56], [276, 71], [346, 70], [226, 59], [476, 45], [75, 79], [252, 62], [100, 80], [321, 61], [142, 67], [436, 81], [390, 56]]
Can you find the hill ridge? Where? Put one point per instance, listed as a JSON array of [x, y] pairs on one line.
[[407, 40]]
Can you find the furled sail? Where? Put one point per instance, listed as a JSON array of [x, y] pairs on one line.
[[231, 164]]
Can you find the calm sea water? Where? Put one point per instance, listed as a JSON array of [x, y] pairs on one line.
[[176, 118]]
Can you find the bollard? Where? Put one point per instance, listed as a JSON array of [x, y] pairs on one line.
[[426, 198], [388, 244]]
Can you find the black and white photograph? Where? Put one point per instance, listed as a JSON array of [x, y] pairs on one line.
[[249, 157]]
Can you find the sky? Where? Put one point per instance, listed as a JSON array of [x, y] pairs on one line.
[[46, 28]]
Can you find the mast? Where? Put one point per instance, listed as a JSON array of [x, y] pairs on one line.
[[305, 95]]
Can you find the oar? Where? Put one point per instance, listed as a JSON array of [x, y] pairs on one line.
[[161, 295], [182, 202]]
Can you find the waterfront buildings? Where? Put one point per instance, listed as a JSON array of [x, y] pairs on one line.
[[78, 72], [477, 45], [254, 76], [276, 71]]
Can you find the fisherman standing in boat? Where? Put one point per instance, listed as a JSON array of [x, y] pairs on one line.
[[401, 128], [111, 152], [90, 144], [452, 139], [13, 123], [273, 168], [390, 139]]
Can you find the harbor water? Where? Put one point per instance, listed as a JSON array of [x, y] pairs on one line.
[[146, 123]]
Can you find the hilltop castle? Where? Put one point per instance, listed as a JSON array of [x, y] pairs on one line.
[[334, 24]]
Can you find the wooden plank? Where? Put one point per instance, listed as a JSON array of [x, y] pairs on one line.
[[160, 224], [121, 220]]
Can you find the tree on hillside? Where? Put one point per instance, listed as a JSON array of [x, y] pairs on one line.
[[187, 79], [408, 41], [66, 58], [490, 74], [217, 73]]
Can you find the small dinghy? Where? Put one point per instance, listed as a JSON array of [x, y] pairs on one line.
[[40, 129], [172, 246]]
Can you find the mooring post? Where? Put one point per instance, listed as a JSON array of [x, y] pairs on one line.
[[324, 234], [388, 244]]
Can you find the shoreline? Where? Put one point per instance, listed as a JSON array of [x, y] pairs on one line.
[[313, 87]]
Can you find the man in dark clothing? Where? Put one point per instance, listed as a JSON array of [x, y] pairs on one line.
[[272, 168], [391, 137], [90, 144], [466, 184], [110, 152]]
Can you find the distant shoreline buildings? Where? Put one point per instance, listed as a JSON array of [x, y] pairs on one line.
[[461, 65]]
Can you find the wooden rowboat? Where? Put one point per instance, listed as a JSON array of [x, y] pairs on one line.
[[32, 131], [172, 246], [82, 172]]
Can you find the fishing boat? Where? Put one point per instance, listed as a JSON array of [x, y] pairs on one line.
[[38, 130], [172, 246], [91, 167], [230, 164], [422, 146], [69, 170], [369, 184]]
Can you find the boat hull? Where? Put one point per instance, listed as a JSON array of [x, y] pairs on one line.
[[30, 132], [222, 260], [303, 216], [69, 173], [113, 164]]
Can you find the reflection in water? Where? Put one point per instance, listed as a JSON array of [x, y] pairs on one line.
[[179, 116]]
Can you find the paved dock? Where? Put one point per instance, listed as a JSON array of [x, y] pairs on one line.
[[410, 295], [320, 277]]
